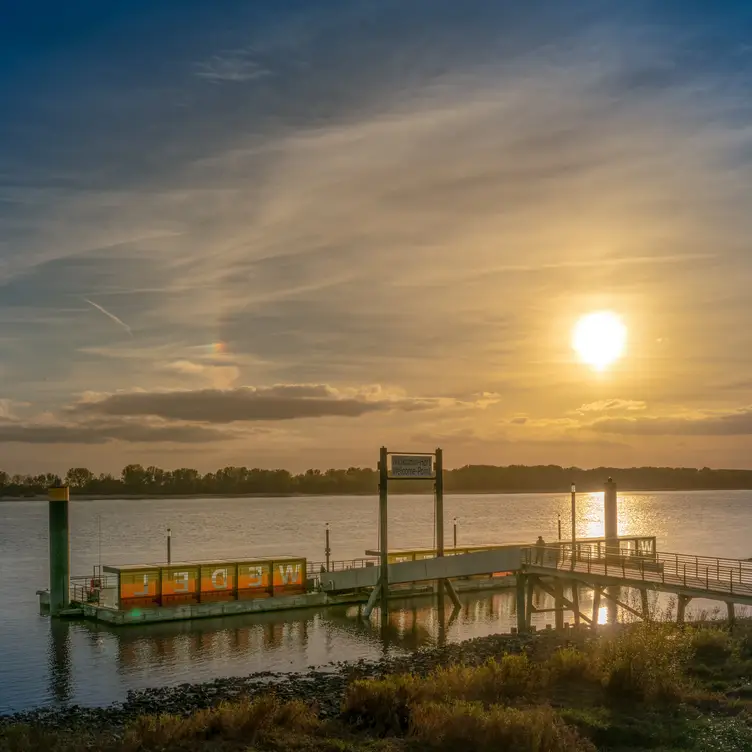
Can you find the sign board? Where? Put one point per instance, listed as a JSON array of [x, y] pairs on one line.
[[412, 466]]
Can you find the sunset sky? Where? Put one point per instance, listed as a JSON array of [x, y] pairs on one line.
[[285, 233]]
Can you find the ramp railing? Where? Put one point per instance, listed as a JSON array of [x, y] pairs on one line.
[[711, 574]]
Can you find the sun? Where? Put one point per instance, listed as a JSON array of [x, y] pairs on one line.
[[599, 339]]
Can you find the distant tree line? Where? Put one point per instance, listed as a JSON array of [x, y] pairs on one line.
[[154, 481]]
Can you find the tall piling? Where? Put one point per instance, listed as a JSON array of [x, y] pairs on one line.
[[611, 533], [59, 496], [611, 517]]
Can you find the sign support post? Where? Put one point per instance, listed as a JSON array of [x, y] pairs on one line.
[[443, 584], [383, 526], [439, 503], [401, 466]]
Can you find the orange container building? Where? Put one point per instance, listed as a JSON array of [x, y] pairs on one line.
[[177, 583]]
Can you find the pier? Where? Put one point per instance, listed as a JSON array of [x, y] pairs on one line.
[[606, 572], [607, 565]]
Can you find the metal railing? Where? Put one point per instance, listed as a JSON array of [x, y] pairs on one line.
[[88, 589], [704, 573], [317, 567]]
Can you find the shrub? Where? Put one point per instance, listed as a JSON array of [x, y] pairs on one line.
[[242, 719], [569, 663], [646, 662], [512, 677], [711, 646], [466, 725], [382, 705]]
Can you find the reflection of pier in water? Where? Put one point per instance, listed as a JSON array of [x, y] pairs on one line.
[[310, 636]]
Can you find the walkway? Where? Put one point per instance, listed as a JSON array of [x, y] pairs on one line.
[[684, 574]]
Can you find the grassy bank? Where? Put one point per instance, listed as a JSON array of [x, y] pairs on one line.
[[653, 686]]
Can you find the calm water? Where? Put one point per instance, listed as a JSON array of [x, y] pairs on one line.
[[46, 662]]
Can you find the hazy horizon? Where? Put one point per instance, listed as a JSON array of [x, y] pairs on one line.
[[282, 235]]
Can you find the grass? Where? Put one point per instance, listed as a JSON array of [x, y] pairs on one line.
[[644, 686]]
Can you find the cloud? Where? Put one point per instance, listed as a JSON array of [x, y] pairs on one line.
[[234, 66], [735, 423], [98, 433], [274, 403], [219, 375], [612, 405]]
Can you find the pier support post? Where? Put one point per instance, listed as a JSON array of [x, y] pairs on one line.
[[576, 602], [522, 586], [372, 599], [681, 609], [529, 608], [645, 604], [452, 593], [596, 608], [559, 602], [731, 613], [59, 497]]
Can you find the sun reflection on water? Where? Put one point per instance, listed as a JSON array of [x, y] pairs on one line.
[[635, 515]]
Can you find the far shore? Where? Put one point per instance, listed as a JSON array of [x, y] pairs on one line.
[[293, 495]]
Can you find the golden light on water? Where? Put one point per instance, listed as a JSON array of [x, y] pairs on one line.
[[599, 339]]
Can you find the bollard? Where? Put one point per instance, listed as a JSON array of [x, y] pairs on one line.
[[59, 496], [169, 545]]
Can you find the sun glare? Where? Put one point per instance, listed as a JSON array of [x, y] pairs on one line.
[[599, 339]]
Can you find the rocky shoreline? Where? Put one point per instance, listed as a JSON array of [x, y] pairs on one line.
[[322, 687]]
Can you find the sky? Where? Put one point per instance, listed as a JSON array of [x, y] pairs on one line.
[[283, 234]]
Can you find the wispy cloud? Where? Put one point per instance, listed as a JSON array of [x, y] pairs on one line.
[[731, 423], [234, 66]]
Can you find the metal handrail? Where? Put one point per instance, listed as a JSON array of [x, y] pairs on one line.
[[704, 573], [314, 567]]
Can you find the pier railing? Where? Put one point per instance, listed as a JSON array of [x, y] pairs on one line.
[[316, 568], [89, 589], [703, 573]]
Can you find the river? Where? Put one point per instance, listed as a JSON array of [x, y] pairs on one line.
[[44, 662]]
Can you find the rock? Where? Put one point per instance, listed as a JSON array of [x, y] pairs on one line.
[[323, 687]]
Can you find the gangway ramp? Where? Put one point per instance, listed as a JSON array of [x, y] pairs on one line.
[[502, 559]]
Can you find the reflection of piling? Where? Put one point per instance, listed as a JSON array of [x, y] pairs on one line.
[[60, 660], [59, 549]]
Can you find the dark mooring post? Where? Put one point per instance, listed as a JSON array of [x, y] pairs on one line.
[[383, 528], [169, 545], [59, 496], [327, 549]]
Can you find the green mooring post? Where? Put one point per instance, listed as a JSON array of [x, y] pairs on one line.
[[59, 549]]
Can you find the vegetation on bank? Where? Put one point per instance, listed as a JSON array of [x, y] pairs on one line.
[[653, 686], [155, 481]]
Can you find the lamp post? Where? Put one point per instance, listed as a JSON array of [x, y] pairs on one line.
[[455, 534], [574, 522], [169, 546], [327, 549]]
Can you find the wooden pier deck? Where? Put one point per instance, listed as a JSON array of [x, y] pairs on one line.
[[687, 576]]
